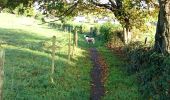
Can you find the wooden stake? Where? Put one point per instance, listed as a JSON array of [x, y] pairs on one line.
[[53, 48], [2, 59], [69, 46], [76, 39], [53, 57]]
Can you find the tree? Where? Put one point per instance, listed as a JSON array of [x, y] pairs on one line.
[[162, 36], [23, 7], [2, 4], [128, 12]]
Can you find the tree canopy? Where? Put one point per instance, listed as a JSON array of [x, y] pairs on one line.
[[130, 13]]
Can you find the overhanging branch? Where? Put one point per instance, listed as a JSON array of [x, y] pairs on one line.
[[107, 6], [112, 3]]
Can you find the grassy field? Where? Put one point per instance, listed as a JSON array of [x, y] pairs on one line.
[[27, 65]]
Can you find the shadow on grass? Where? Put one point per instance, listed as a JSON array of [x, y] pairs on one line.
[[27, 70], [21, 38], [27, 76]]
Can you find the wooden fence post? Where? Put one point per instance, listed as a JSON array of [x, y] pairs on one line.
[[53, 48], [76, 38], [69, 45], [2, 59], [75, 41]]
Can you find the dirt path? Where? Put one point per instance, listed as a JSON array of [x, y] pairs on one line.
[[98, 74]]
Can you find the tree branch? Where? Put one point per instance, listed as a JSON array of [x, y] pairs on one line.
[[65, 13], [113, 3], [107, 6]]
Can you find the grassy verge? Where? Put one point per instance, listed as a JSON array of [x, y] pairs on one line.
[[119, 85], [27, 65]]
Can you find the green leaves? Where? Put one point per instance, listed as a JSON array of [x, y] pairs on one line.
[[153, 71], [3, 2]]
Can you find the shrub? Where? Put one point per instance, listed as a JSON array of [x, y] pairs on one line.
[[154, 81], [29, 11], [19, 10], [39, 16], [136, 54], [152, 68], [85, 28], [110, 34], [96, 31], [7, 10]]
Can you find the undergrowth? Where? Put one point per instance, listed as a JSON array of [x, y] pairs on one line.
[[152, 69]]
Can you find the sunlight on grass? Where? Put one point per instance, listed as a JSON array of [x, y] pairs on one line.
[[28, 64]]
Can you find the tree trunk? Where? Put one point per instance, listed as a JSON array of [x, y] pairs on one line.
[[162, 36], [126, 35]]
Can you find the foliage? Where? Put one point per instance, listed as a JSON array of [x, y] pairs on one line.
[[154, 81], [152, 69], [39, 16], [148, 32], [21, 7], [111, 33], [29, 11], [7, 10], [135, 52], [21, 10], [3, 3]]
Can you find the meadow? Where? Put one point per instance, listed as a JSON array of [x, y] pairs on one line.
[[28, 65]]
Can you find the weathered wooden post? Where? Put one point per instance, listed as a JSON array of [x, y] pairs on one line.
[[53, 48], [76, 38], [69, 45], [75, 41], [2, 59]]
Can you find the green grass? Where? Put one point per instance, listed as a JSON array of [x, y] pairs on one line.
[[119, 85], [27, 66]]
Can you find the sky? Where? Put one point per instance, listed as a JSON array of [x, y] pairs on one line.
[[103, 1]]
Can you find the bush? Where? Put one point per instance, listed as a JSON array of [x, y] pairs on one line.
[[154, 81], [136, 54], [19, 10], [96, 31], [85, 28], [29, 11], [152, 68], [7, 10], [39, 16], [111, 34]]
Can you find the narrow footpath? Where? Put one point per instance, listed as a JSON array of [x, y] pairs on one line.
[[98, 74]]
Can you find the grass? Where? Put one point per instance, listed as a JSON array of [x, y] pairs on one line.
[[119, 85], [28, 64]]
